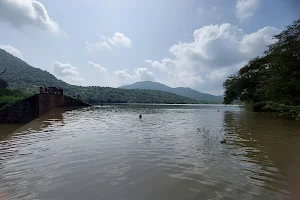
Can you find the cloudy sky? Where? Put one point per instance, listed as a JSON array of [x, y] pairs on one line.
[[190, 43]]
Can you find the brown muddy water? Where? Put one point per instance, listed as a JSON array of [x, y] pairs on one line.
[[173, 152]]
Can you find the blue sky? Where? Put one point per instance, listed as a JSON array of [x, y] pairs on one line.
[[190, 43]]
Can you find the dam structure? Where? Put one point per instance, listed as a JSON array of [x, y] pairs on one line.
[[34, 106]]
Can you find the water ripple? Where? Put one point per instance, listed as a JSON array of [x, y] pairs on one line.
[[174, 152]]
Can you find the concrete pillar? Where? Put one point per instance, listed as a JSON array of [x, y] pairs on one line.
[[50, 100]]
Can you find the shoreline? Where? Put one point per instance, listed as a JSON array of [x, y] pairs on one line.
[[276, 109]]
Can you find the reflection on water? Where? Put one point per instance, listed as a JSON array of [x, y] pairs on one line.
[[55, 115], [271, 143], [174, 152]]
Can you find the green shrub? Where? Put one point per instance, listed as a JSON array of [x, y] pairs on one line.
[[277, 108], [6, 101]]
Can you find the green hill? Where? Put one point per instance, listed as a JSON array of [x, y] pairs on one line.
[[187, 92], [28, 79]]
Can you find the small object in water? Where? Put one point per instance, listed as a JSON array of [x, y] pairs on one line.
[[140, 116], [218, 110], [223, 141]]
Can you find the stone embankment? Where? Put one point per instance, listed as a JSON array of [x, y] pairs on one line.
[[32, 107]]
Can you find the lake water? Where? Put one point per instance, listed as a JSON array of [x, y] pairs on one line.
[[173, 152]]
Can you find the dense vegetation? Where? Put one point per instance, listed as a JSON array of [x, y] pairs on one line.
[[7, 96], [21, 76], [271, 83], [186, 92]]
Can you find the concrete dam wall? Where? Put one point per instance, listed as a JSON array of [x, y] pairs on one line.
[[32, 107]]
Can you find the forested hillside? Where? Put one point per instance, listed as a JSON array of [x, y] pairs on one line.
[[19, 75], [183, 91], [271, 83]]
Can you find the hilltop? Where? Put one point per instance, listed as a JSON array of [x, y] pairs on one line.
[[183, 91], [28, 79]]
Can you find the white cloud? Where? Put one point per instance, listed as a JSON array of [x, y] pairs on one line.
[[12, 50], [117, 40], [66, 72], [164, 64], [123, 76], [185, 79], [143, 74], [21, 13], [217, 46], [148, 61], [216, 52], [97, 45], [246, 8], [255, 43], [97, 66], [217, 75], [139, 74]]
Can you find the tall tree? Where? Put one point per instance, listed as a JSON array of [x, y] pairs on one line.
[[246, 83], [274, 77], [283, 83]]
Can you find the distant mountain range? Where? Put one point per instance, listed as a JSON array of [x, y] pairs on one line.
[[28, 79], [182, 91]]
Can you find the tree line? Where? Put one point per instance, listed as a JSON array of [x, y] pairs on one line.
[[270, 82]]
